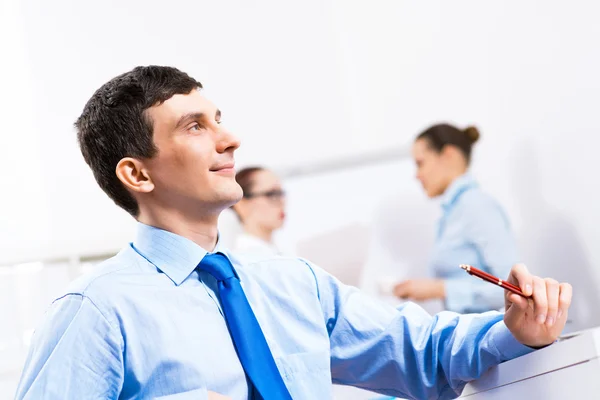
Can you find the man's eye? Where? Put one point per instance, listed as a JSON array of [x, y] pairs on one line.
[[195, 127]]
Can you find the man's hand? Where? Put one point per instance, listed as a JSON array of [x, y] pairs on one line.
[[420, 289], [536, 321]]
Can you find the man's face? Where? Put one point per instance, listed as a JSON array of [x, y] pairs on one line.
[[193, 170]]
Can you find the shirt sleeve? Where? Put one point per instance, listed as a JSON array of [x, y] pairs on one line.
[[76, 353], [488, 230], [406, 352]]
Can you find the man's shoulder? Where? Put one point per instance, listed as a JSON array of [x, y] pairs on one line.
[[275, 269], [264, 259], [109, 275], [260, 262]]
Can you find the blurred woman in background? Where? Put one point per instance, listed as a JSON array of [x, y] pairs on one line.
[[473, 228], [261, 211]]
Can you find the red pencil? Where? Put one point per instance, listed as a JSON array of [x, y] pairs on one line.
[[492, 279]]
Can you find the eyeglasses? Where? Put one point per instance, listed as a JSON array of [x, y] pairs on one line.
[[274, 195]]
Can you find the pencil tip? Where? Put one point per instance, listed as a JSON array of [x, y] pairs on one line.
[[464, 266]]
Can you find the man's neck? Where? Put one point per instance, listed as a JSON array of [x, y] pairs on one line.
[[201, 230]]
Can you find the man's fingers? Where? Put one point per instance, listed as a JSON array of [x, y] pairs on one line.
[[540, 299], [552, 293], [565, 297], [520, 276], [518, 301]]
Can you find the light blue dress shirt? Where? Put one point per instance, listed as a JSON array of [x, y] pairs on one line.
[[473, 230], [146, 324]]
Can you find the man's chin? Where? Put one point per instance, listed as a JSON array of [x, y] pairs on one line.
[[232, 197], [234, 200]]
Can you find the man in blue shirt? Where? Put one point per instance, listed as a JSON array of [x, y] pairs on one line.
[[167, 317]]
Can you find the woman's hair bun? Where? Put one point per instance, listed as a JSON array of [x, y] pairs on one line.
[[472, 133]]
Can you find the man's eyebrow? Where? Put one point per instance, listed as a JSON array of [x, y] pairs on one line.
[[188, 117]]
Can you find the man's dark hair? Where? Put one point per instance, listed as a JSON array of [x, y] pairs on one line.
[[114, 123]]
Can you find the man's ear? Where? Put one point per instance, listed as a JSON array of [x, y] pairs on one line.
[[134, 175]]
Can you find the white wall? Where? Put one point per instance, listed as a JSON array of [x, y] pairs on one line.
[[24, 208]]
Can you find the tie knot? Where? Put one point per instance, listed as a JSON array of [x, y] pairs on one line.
[[218, 266]]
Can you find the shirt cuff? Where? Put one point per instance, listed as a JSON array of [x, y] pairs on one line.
[[506, 344]]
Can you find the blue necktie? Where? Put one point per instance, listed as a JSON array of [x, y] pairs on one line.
[[249, 340]]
